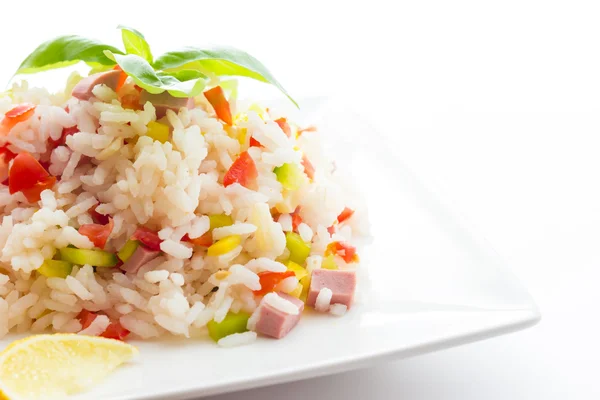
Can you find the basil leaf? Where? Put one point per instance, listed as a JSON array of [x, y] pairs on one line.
[[221, 61], [186, 74], [154, 82], [64, 51], [135, 43]]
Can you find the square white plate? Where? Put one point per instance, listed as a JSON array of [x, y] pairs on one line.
[[429, 283]]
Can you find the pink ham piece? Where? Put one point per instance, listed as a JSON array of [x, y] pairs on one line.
[[163, 102], [83, 89], [341, 283], [276, 323], [140, 256]]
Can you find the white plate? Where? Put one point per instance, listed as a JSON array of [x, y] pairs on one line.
[[430, 283]]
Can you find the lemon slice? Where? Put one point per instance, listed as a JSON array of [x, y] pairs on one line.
[[53, 366]]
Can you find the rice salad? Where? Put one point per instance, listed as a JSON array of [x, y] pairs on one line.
[[137, 208]]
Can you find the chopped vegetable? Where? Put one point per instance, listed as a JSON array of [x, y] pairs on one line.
[[216, 98], [122, 78], [232, 323], [204, 240], [254, 142], [297, 291], [299, 270], [97, 217], [220, 220], [216, 221], [268, 281], [131, 101], [5, 157], [289, 175], [96, 258], [28, 176], [242, 171], [331, 229], [17, 114], [55, 268], [128, 249], [309, 170], [224, 246], [86, 318], [344, 215], [98, 234], [63, 137], [148, 238], [305, 282], [296, 219], [285, 127], [329, 262], [158, 131], [342, 249], [299, 249], [115, 331]]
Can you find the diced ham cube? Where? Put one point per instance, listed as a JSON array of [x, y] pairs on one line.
[[276, 323], [83, 89], [341, 283], [141, 256]]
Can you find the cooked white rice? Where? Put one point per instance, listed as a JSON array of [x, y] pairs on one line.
[[171, 188]]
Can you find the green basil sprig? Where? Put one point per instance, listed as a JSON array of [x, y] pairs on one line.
[[183, 73]]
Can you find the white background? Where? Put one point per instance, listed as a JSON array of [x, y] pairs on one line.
[[497, 103]]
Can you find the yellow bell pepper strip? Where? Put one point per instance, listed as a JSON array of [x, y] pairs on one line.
[[224, 246], [158, 131], [300, 271]]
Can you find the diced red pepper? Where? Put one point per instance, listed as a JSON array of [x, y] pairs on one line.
[[254, 142], [204, 240], [5, 157], [342, 249], [268, 281], [27, 175], [309, 170], [17, 114], [296, 219], [148, 238], [331, 229], [86, 318], [115, 331], [216, 98], [344, 215], [63, 137], [97, 217], [98, 234], [242, 171], [285, 127]]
